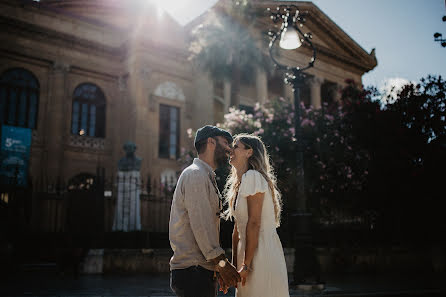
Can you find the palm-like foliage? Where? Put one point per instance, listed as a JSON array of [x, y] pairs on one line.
[[227, 51]]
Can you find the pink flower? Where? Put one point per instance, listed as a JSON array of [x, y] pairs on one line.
[[306, 122], [329, 117]]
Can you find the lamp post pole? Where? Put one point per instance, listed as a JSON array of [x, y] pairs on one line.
[[306, 268]]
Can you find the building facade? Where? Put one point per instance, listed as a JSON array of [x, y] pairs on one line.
[[88, 76]]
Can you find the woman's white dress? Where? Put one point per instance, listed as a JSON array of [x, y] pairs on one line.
[[269, 276]]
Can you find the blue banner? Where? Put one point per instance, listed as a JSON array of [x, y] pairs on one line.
[[14, 160]]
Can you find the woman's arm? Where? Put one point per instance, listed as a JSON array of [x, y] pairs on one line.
[[234, 245], [255, 203]]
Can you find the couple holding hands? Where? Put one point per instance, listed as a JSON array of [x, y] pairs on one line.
[[199, 264]]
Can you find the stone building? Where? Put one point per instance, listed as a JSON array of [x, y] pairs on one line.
[[89, 75]]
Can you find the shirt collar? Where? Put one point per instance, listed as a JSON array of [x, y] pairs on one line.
[[204, 165]]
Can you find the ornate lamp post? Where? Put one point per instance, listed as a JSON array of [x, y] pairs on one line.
[[306, 268]]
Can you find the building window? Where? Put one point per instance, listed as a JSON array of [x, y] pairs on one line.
[[328, 93], [19, 98], [219, 88], [169, 136], [88, 113], [305, 94], [248, 109], [276, 86]]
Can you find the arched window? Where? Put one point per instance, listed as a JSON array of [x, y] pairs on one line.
[[88, 114], [19, 98]]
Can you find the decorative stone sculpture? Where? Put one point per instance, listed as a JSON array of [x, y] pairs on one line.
[[127, 213], [130, 162]]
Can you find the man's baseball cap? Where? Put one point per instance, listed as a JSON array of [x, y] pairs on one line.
[[211, 131]]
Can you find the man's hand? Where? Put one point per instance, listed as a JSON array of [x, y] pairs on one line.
[[229, 274], [223, 287]]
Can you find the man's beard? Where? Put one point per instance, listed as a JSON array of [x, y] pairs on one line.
[[220, 157]]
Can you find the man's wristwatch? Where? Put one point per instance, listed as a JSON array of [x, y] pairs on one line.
[[222, 263]]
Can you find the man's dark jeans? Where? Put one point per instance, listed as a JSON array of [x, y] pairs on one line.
[[194, 281]]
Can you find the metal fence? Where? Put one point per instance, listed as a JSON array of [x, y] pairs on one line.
[[57, 207]]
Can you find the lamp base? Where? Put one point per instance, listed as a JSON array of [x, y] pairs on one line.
[[306, 274]]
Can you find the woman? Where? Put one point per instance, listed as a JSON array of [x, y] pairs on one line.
[[255, 204]]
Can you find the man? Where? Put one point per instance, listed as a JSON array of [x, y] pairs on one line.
[[194, 227]]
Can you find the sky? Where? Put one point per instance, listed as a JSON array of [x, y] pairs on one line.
[[401, 31]]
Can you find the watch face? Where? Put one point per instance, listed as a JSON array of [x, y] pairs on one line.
[[222, 263]]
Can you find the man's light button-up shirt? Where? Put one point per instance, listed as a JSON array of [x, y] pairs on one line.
[[194, 227]]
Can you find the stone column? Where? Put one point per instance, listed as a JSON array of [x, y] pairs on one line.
[[57, 130], [145, 128], [289, 93], [315, 87], [119, 112], [261, 86], [227, 95]]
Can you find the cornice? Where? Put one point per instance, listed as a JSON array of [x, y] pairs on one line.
[[346, 52], [31, 31], [15, 27]]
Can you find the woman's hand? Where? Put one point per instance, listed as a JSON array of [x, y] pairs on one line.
[[243, 272]]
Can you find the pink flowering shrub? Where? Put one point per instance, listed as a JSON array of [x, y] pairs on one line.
[[334, 164], [365, 163]]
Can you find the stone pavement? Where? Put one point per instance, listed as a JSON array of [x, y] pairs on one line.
[[51, 284]]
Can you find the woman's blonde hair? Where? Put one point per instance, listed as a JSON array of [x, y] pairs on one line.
[[259, 160]]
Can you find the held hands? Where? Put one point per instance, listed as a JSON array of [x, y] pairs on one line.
[[228, 276], [243, 272], [222, 286]]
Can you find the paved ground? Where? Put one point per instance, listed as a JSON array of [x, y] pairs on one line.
[[52, 284]]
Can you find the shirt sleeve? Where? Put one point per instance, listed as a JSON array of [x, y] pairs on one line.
[[202, 215], [253, 182]]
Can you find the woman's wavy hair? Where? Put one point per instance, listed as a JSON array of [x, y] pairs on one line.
[[259, 161]]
